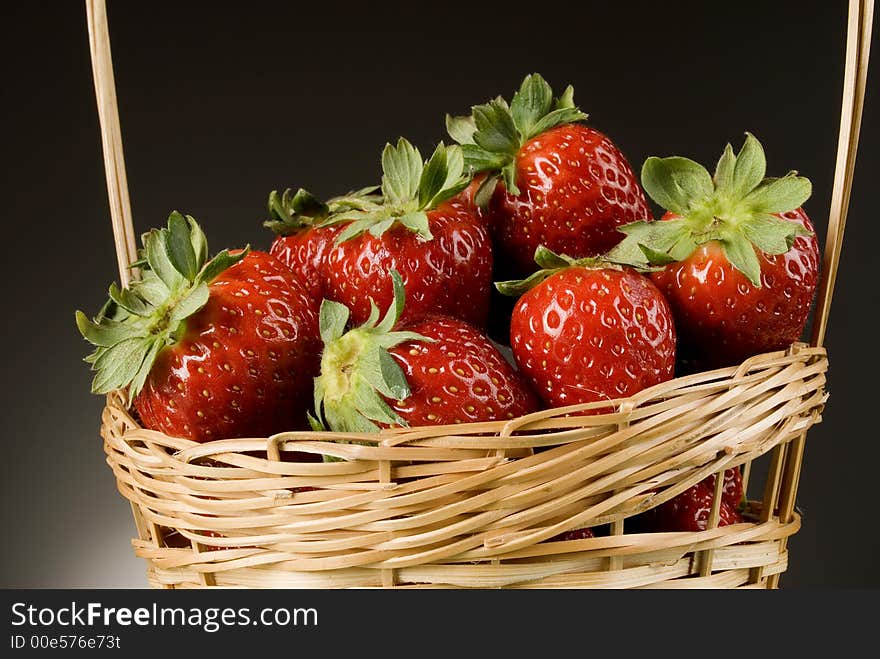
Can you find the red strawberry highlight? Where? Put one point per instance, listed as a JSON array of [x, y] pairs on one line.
[[585, 330], [441, 249], [549, 180], [429, 371], [458, 377], [690, 510], [207, 349], [739, 255], [301, 244]]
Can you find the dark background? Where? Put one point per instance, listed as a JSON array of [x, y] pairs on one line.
[[222, 102]]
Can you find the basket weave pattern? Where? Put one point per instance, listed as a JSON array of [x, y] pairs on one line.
[[474, 505]]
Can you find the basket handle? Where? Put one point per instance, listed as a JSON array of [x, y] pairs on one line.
[[111, 138], [858, 49], [858, 46]]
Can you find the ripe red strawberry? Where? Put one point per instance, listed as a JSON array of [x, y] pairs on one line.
[[301, 244], [208, 349], [450, 273], [585, 332], [732, 489], [440, 248], [467, 197], [740, 255], [433, 370], [690, 510], [565, 186]]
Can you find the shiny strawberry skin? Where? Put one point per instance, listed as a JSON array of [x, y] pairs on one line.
[[722, 318], [467, 196], [587, 334], [451, 274], [460, 377], [732, 489], [304, 252], [690, 510], [467, 200], [245, 364], [576, 188]]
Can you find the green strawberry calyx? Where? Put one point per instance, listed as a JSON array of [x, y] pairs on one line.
[[410, 187], [291, 212], [137, 322], [738, 207], [357, 370], [551, 263], [495, 131]]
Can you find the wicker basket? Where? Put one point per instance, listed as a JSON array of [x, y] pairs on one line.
[[479, 505]]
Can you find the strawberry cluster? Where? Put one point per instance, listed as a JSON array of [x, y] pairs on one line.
[[371, 310]]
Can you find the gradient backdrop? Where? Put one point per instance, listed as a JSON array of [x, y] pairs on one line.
[[222, 102]]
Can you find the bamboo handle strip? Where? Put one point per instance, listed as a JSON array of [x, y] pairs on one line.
[[858, 48], [111, 138]]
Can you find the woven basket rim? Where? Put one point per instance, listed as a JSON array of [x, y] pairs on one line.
[[479, 506], [624, 410]]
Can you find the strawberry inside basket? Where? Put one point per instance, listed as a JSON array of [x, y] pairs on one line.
[[494, 366]]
